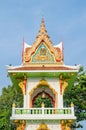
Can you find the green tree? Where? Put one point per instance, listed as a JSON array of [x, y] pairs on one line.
[[39, 100], [77, 95], [9, 94]]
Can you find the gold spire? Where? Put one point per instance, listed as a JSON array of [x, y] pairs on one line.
[[42, 27], [42, 30]]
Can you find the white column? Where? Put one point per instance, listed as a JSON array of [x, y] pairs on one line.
[[60, 100], [72, 108], [24, 102], [28, 101]]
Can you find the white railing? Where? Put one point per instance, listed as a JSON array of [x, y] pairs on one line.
[[43, 111]]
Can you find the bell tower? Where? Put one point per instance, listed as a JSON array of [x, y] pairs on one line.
[[43, 78]]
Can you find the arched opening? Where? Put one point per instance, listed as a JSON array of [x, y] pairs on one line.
[[48, 99], [50, 93], [38, 100]]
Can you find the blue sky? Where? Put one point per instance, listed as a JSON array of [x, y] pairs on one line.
[[65, 20]]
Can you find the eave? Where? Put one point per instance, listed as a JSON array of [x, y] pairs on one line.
[[19, 73], [43, 68]]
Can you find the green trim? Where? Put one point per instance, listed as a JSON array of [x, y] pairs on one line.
[[19, 76]]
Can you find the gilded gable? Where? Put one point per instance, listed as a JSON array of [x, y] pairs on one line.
[[43, 50], [42, 55]]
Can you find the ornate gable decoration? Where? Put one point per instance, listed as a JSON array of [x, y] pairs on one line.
[[42, 55], [42, 50]]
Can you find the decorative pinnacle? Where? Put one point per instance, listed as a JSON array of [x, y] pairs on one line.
[[42, 27], [72, 105], [14, 105], [42, 30], [42, 105]]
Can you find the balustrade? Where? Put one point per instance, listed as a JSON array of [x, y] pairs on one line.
[[42, 111]]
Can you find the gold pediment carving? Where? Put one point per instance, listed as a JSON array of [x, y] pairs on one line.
[[43, 82], [42, 50], [43, 54]]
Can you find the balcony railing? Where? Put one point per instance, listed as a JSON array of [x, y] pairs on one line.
[[43, 113]]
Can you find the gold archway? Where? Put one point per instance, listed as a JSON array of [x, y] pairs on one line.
[[43, 126], [45, 83]]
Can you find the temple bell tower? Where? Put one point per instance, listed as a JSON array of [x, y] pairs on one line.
[[43, 78]]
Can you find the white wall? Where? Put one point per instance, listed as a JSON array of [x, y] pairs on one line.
[[33, 82]]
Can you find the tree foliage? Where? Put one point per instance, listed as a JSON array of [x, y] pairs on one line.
[[9, 94], [77, 95], [47, 102]]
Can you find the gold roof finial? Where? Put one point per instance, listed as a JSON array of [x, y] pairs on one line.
[[42, 27], [42, 30]]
